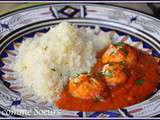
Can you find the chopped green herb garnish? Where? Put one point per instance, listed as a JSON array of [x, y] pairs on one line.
[[53, 69], [77, 74], [122, 62], [124, 50], [110, 63], [139, 81], [113, 52], [118, 43], [46, 48], [92, 67], [107, 73]]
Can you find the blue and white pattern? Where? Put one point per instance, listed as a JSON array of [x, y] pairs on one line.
[[132, 27]]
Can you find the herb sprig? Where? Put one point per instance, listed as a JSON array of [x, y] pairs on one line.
[[139, 81], [118, 43], [107, 73]]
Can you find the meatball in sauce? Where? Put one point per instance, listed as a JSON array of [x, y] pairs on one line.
[[122, 76]]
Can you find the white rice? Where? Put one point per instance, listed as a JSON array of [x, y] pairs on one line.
[[46, 63]]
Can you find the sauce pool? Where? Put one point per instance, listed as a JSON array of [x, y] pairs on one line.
[[133, 91]]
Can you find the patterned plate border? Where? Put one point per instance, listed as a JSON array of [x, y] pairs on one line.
[[138, 23]]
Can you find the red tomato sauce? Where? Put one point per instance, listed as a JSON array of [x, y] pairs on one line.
[[126, 94]]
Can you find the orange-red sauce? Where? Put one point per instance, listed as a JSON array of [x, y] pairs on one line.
[[123, 95]]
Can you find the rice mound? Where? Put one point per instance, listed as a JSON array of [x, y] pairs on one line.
[[45, 63]]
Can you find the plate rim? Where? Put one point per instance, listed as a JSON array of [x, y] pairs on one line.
[[77, 3], [47, 4]]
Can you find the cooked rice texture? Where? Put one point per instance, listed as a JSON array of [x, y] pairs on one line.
[[45, 63]]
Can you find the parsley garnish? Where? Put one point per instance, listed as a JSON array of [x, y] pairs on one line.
[[53, 69], [118, 43], [46, 48], [139, 81], [110, 63], [107, 73], [122, 62], [92, 67], [113, 52], [77, 74], [124, 50]]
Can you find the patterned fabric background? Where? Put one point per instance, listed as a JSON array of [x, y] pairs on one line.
[[7, 7]]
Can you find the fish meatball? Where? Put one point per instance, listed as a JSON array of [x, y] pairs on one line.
[[114, 74], [120, 52], [85, 87]]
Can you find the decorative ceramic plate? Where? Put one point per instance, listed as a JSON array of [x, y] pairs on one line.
[[137, 29]]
